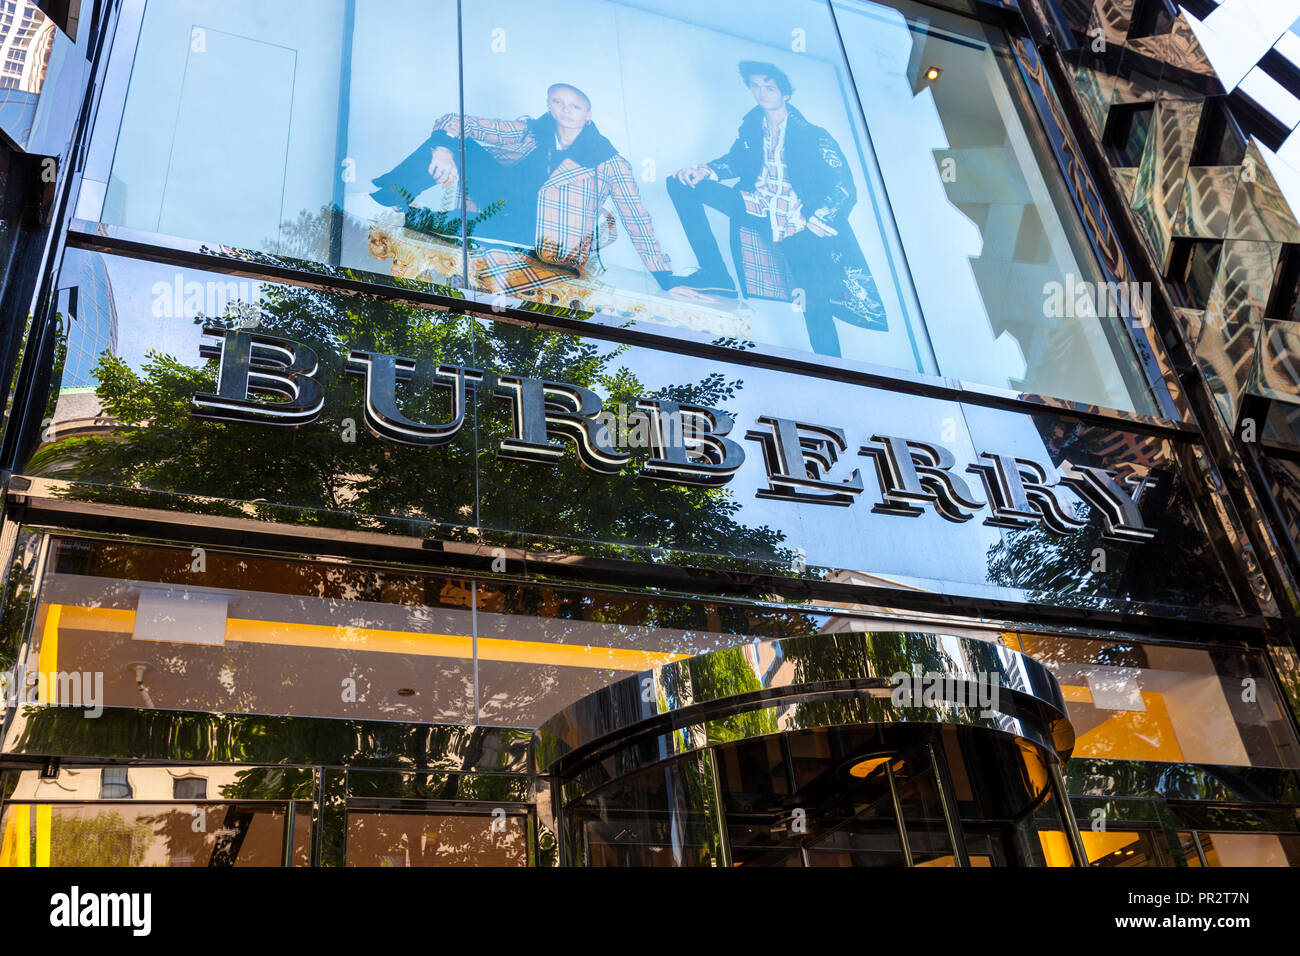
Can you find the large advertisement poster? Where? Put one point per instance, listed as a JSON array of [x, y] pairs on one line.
[[699, 168], [791, 176]]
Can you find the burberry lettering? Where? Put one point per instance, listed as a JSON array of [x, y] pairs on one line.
[[272, 381]]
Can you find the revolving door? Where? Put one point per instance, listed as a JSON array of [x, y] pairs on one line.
[[817, 760]]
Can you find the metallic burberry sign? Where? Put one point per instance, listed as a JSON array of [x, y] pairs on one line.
[[689, 444]]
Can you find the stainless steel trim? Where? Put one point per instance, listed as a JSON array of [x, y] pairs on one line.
[[898, 817], [951, 817]]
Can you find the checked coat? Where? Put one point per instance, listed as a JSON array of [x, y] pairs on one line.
[[571, 201]]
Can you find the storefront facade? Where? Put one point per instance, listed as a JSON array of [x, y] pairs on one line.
[[816, 433]]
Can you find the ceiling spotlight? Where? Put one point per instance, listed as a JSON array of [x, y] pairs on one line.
[[933, 73]]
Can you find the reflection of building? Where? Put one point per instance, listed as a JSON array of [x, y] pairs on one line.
[[365, 617], [92, 319], [166, 822], [26, 39]]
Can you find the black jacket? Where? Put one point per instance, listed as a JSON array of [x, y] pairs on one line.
[[815, 164]]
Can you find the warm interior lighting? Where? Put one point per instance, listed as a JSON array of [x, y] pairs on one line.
[[866, 768], [932, 73], [377, 640]]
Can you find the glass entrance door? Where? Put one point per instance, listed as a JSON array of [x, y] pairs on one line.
[[861, 795], [785, 804]]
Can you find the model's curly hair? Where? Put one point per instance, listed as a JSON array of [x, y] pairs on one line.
[[768, 71]]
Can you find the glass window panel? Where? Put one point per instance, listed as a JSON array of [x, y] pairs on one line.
[[1127, 132], [272, 127], [1284, 475], [497, 788], [146, 834], [924, 819], [1194, 266], [336, 470], [74, 818], [1250, 849], [229, 123], [148, 364], [1010, 292], [1187, 843], [114, 784], [756, 796], [341, 161], [1053, 840], [190, 788], [1134, 701], [280, 637], [91, 319], [392, 838], [1009, 813], [1123, 848]]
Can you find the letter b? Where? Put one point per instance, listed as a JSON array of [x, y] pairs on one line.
[[256, 364]]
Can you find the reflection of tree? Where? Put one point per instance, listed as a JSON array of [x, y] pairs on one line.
[[728, 674], [416, 839], [1084, 570], [220, 835], [160, 446], [104, 839], [1050, 566], [18, 580], [186, 846], [271, 783], [1223, 784], [830, 657], [1179, 565]]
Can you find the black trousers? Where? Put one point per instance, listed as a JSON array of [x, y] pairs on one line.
[[507, 207], [810, 257]]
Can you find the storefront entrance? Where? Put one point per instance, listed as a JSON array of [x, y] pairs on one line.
[[862, 749], [871, 796]]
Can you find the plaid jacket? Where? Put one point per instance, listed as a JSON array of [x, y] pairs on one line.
[[570, 202]]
